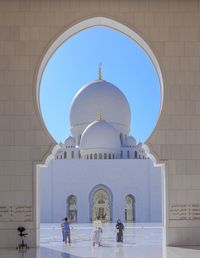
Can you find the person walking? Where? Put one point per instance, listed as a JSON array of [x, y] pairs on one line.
[[66, 231], [96, 238], [120, 229]]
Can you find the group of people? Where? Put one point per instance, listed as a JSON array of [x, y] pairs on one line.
[[96, 237]]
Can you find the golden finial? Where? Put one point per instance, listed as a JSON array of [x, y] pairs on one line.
[[100, 74], [100, 116]]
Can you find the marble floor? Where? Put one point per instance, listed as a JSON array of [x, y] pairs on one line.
[[140, 241], [135, 238]]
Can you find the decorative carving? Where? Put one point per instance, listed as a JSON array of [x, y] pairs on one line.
[[101, 206], [184, 212], [16, 213]]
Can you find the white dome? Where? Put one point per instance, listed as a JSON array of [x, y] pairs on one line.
[[100, 136], [99, 97], [70, 141], [130, 141], [58, 151]]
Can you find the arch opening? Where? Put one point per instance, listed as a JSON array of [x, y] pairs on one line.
[[105, 211], [130, 208], [72, 208], [118, 29], [101, 202]]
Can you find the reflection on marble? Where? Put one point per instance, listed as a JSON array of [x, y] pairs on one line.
[[171, 252], [136, 236], [140, 240]]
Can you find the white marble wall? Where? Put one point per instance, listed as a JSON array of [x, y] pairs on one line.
[[63, 178]]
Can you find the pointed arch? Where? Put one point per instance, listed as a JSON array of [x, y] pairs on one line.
[[109, 201]]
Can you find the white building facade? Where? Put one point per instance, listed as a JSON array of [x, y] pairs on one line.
[[100, 172]]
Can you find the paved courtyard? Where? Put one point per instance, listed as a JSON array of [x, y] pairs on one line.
[[140, 241]]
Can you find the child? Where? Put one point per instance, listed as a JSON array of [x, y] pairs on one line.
[[97, 236], [67, 231]]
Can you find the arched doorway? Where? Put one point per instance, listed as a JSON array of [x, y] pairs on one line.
[[101, 206], [130, 208], [75, 29], [101, 203], [72, 208]]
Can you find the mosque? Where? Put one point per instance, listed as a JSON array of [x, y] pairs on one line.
[[100, 171]]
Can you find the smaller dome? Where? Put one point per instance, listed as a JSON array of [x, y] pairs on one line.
[[100, 136], [70, 142], [59, 151], [131, 141], [62, 148], [139, 146]]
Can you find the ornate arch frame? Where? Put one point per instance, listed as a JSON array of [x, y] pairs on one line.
[[110, 194], [67, 33], [133, 206], [85, 24], [67, 203]]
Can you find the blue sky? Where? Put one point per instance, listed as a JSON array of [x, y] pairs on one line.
[[124, 64]]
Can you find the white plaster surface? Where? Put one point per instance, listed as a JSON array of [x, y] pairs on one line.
[[122, 177]]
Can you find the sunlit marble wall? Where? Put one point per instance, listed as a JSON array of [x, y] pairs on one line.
[[63, 178]]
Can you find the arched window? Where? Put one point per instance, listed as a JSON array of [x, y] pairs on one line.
[[100, 155], [91, 156], [135, 154], [128, 154], [65, 155], [105, 155], [72, 208], [95, 156], [121, 138], [87, 156], [121, 154], [72, 154], [79, 154], [129, 208], [109, 155], [101, 206], [113, 156]]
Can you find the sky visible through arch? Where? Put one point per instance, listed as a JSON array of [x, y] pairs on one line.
[[124, 64]]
